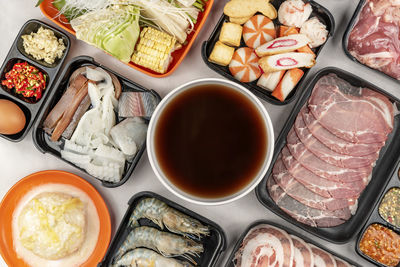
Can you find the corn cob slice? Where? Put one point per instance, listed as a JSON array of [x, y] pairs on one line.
[[154, 50]]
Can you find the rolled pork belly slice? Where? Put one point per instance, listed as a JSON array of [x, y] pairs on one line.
[[319, 185], [348, 112], [303, 256], [265, 245], [328, 155], [322, 258], [303, 213]]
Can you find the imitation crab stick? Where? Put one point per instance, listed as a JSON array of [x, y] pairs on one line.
[[270, 80], [286, 61], [286, 31], [244, 65], [258, 30], [282, 45], [287, 84]]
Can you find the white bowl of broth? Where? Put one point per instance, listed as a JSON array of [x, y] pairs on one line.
[[210, 141]]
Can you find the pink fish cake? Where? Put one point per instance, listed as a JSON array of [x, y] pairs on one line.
[[258, 30], [244, 65]]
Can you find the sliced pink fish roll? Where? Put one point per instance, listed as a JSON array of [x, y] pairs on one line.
[[283, 44], [286, 61], [269, 81], [244, 65], [258, 30]]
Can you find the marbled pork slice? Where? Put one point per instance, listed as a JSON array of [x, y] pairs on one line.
[[326, 154], [303, 256], [322, 258], [320, 167], [348, 113], [264, 246], [302, 213], [319, 185], [299, 192], [335, 143]]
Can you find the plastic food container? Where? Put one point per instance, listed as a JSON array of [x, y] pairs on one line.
[[17, 54], [230, 261], [52, 13], [319, 11], [376, 218], [214, 244], [42, 140], [381, 174], [347, 33]]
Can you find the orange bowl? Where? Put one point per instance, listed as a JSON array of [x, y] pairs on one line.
[[18, 191], [49, 10]]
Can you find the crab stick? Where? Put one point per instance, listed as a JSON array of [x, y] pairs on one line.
[[282, 45], [306, 49], [269, 80], [244, 65], [287, 84], [258, 30], [286, 61]]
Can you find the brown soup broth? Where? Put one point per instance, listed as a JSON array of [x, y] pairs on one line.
[[211, 141]]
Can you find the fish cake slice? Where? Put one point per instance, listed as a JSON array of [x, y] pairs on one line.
[[286, 61]]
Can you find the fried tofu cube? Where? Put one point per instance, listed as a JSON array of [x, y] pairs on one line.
[[221, 54], [231, 34]]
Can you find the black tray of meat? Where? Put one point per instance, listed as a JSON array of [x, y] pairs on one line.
[[379, 239], [264, 238], [80, 123], [155, 226], [336, 152], [21, 99], [375, 45], [273, 57]]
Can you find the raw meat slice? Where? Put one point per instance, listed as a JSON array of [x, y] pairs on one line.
[[335, 143], [304, 214], [319, 185], [322, 258], [244, 65], [348, 113], [341, 263], [321, 168], [303, 256], [258, 30], [299, 192], [265, 246], [328, 155]]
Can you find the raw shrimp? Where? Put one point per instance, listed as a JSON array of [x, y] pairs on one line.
[[166, 244], [142, 257], [163, 215]]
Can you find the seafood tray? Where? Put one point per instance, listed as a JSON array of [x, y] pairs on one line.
[[346, 36], [318, 11], [17, 54], [376, 217], [42, 140], [214, 244], [52, 13], [230, 261], [380, 176]]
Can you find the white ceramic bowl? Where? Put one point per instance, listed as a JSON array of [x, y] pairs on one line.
[[164, 179]]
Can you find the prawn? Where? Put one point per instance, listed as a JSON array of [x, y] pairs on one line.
[[166, 244], [142, 257], [163, 215]]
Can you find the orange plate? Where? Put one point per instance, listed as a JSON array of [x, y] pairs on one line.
[[17, 192], [52, 13]]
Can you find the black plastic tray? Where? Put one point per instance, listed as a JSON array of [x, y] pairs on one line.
[[230, 262], [380, 175], [318, 11], [346, 36], [376, 217], [42, 140], [18, 54], [214, 244]]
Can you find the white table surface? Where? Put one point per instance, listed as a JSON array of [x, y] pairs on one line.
[[18, 160]]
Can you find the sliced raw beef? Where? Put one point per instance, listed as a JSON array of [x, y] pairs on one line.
[[303, 256], [319, 185], [299, 192], [320, 167], [335, 143], [304, 214], [322, 258], [341, 263], [328, 155], [265, 246], [348, 113]]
